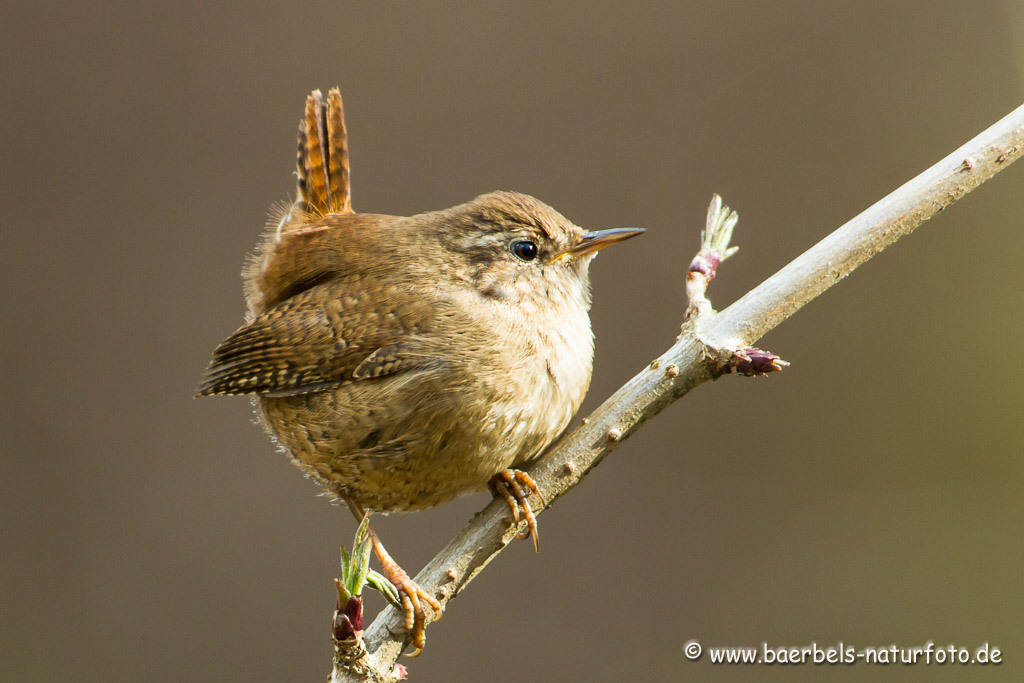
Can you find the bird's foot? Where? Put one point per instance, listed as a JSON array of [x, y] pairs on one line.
[[412, 598], [506, 484]]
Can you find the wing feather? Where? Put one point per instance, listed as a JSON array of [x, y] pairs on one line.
[[306, 344]]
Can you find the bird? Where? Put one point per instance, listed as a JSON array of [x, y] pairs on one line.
[[403, 361]]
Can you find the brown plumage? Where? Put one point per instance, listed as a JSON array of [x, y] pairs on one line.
[[403, 361]]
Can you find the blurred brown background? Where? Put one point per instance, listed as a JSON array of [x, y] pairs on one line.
[[870, 494]]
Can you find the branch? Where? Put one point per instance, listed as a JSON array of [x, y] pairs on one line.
[[710, 344]]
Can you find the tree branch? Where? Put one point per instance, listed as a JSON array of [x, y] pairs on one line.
[[708, 346]]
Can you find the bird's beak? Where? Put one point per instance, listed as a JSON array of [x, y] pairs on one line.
[[595, 240]]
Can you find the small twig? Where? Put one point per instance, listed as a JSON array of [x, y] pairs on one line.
[[714, 248], [692, 360]]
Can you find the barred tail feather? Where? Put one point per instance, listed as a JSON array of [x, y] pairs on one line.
[[322, 156], [337, 145]]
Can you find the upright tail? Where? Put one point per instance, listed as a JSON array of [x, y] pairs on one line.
[[281, 264], [323, 156]]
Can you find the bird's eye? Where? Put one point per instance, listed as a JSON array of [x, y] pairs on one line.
[[524, 250]]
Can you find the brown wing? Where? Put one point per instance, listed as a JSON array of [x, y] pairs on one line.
[[309, 343]]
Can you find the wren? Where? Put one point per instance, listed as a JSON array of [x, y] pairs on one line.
[[403, 361]]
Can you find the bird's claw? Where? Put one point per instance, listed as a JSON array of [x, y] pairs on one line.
[[506, 484], [412, 598]]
